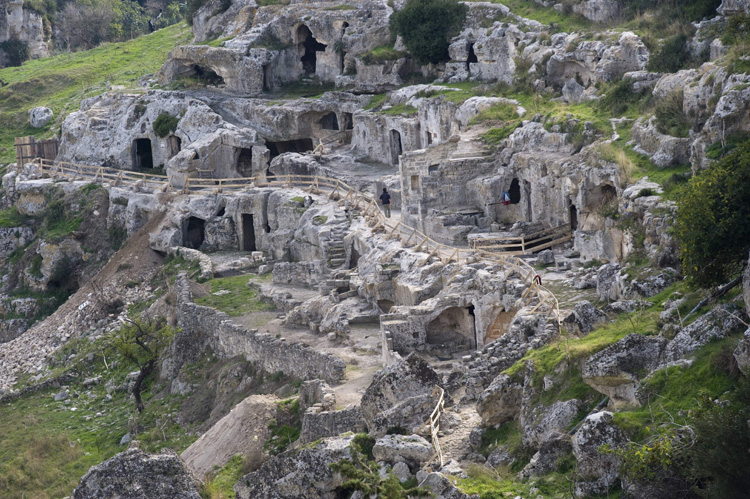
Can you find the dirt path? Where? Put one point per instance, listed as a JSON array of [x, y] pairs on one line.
[[455, 441]]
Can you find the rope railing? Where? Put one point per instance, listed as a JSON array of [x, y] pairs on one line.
[[334, 189]]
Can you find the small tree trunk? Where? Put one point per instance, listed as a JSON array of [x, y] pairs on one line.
[[145, 371]]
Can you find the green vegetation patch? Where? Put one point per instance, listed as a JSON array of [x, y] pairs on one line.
[[165, 124], [221, 485], [284, 434], [382, 54], [11, 218], [236, 297], [62, 81]]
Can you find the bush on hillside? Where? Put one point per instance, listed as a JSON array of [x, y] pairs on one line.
[[165, 124], [427, 25], [712, 220], [670, 119], [671, 56], [17, 51]]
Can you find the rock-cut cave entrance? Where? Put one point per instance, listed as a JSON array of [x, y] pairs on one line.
[[280, 147], [515, 191], [195, 232], [248, 232], [453, 329], [329, 121], [573, 217], [207, 75], [141, 154], [245, 162], [396, 148], [472, 58], [308, 47]]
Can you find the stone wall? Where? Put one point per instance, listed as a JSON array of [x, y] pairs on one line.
[[229, 340], [317, 425]]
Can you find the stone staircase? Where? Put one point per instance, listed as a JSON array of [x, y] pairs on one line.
[[336, 248]]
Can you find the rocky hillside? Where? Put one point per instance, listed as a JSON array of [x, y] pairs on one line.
[[202, 296]]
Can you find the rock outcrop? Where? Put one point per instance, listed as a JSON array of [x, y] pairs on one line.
[[400, 395], [599, 471], [298, 474], [501, 401], [133, 474]]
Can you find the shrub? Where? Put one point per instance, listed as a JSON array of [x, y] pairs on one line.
[[426, 26], [711, 221], [670, 119], [165, 124], [671, 56], [16, 50]]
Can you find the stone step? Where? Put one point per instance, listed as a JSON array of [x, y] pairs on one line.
[[336, 262]]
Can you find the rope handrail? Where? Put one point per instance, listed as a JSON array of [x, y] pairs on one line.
[[372, 212]]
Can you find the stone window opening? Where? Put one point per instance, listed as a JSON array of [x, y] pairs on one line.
[[308, 47], [222, 211], [266, 77], [415, 182], [432, 169], [142, 154]]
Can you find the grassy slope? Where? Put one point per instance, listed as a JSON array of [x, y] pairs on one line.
[[62, 81]]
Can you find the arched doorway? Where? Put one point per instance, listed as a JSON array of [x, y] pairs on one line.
[[452, 330], [195, 232]]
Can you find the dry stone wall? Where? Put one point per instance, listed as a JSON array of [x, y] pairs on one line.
[[273, 354]]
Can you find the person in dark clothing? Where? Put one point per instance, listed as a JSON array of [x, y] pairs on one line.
[[385, 200]]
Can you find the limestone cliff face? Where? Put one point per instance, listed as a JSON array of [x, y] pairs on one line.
[[17, 23]]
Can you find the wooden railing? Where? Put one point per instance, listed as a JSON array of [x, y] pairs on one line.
[[334, 189], [434, 422], [526, 244]]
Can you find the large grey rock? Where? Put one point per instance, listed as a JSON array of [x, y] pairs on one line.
[[440, 486], [599, 471], [664, 150], [243, 431], [410, 449], [133, 474], [299, 474], [545, 459], [400, 395], [40, 116], [731, 7], [616, 370], [584, 318], [742, 354], [719, 323], [501, 401], [600, 11], [545, 422], [609, 286]]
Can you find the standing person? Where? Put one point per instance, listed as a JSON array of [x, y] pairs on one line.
[[385, 200]]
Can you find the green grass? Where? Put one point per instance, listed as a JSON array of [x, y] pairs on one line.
[[578, 349], [400, 110], [376, 101], [548, 15], [46, 447], [11, 218], [241, 298], [62, 81], [221, 486], [382, 54]]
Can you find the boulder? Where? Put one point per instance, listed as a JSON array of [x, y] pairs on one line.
[[301, 474], [599, 471], [243, 431], [40, 116], [400, 395], [609, 285], [584, 318], [440, 486], [133, 474], [732, 7], [501, 401], [600, 11], [546, 422], [719, 323], [615, 370], [410, 449], [545, 459], [547, 257], [664, 150]]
